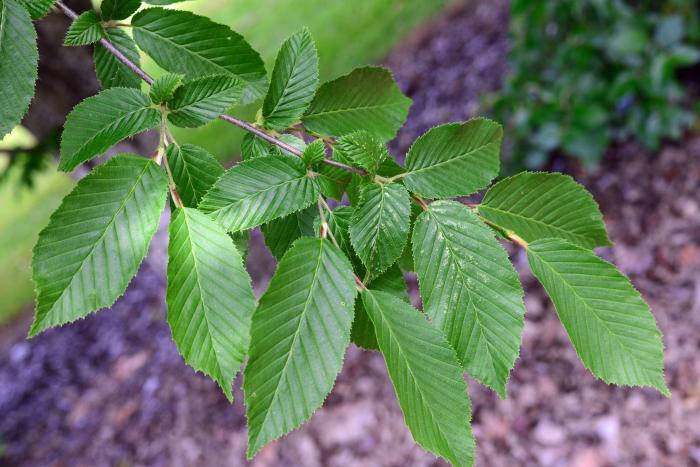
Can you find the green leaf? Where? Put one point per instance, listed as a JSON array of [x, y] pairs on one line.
[[96, 239], [111, 72], [252, 147], [363, 150], [210, 299], [314, 153], [427, 378], [18, 64], [281, 233], [470, 290], [118, 9], [545, 205], [194, 170], [293, 83], [37, 8], [299, 335], [86, 29], [240, 240], [338, 223], [101, 121], [380, 225], [455, 159], [367, 98], [259, 190], [610, 326], [198, 102], [182, 42], [391, 281], [164, 87], [164, 2]]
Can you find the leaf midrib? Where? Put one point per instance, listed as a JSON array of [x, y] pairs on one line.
[[451, 160]]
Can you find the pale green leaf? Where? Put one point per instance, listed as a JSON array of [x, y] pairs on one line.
[[299, 335], [37, 8], [96, 239], [101, 121], [164, 87], [18, 64], [314, 152], [259, 190], [111, 71], [364, 150], [545, 205], [367, 98], [198, 102], [281, 233], [118, 9], [194, 170], [455, 159], [608, 322], [182, 42], [293, 82], [427, 378], [470, 290], [86, 29], [380, 225], [209, 296]]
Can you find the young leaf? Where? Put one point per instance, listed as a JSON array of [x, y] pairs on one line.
[[210, 299], [252, 147], [455, 159], [194, 171], [164, 87], [314, 153], [363, 150], [96, 239], [367, 98], [118, 9], [198, 102], [545, 205], [281, 233], [86, 29], [470, 290], [258, 191], [37, 8], [18, 64], [380, 225], [111, 72], [391, 281], [293, 83], [427, 378], [101, 121], [299, 335], [610, 326], [182, 42]]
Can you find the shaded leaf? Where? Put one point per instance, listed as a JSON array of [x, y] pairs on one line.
[[164, 87], [198, 102], [281, 233], [363, 150], [37, 8], [110, 71], [252, 147], [194, 170], [118, 9], [314, 153], [86, 29]]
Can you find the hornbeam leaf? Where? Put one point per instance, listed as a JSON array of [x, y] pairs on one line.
[[111, 72], [194, 171], [299, 335], [281, 233], [210, 299], [314, 152], [338, 223], [427, 378], [367, 98], [545, 205], [470, 290], [393, 282], [182, 42], [198, 102], [363, 150], [164, 87], [259, 190], [455, 159], [37, 8], [293, 83], [118, 9], [19, 59], [86, 29], [608, 322], [96, 239], [252, 147], [380, 225], [164, 2], [101, 121]]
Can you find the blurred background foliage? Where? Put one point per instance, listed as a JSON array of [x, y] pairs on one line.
[[588, 73]]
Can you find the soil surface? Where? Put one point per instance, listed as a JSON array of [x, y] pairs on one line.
[[111, 390]]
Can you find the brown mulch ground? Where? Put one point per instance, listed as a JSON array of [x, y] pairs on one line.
[[112, 390]]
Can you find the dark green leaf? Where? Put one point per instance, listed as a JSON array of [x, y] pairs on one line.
[[111, 72], [37, 8], [118, 9], [281, 233], [86, 29], [252, 147], [314, 153], [194, 170], [198, 102], [164, 87], [363, 150]]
